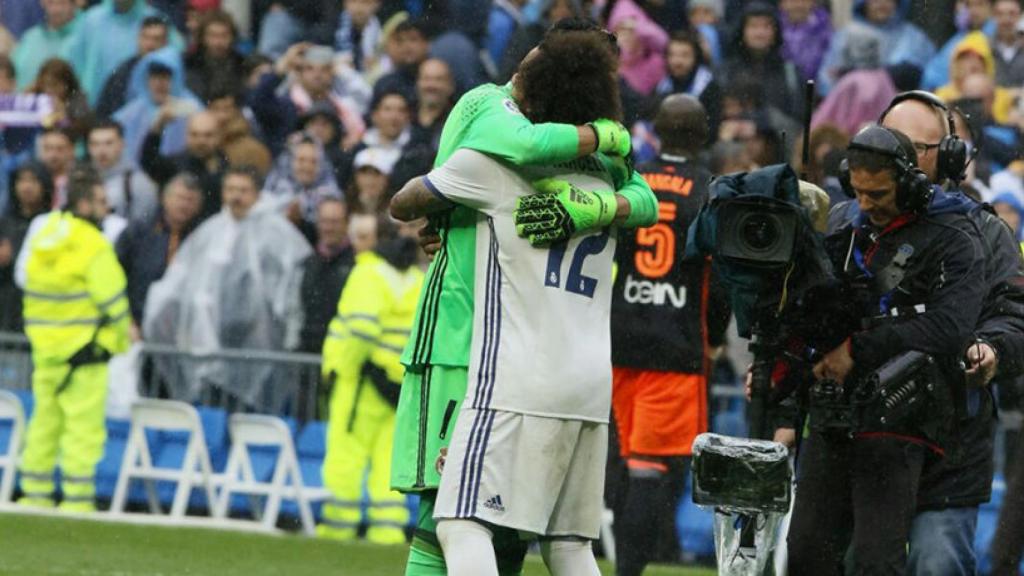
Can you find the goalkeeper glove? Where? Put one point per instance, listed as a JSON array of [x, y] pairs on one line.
[[561, 209], [612, 137]]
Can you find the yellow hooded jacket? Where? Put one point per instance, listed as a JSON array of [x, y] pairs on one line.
[[375, 314], [977, 43], [74, 285]]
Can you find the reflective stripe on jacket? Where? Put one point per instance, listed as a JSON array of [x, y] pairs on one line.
[[375, 314], [74, 284]]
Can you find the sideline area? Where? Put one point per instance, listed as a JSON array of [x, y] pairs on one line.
[[40, 544]]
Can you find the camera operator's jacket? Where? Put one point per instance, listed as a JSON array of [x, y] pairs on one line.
[[1001, 324], [935, 260]]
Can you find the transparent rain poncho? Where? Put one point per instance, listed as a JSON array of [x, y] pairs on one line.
[[232, 285]]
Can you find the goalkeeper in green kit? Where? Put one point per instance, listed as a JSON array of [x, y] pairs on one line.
[[487, 119]]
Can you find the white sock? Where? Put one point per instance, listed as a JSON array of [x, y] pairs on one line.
[[569, 558], [468, 548]]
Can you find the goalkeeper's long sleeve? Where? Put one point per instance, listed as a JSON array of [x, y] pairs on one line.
[[643, 204], [487, 120]]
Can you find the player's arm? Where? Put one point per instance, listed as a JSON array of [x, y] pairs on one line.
[[502, 131], [417, 200]]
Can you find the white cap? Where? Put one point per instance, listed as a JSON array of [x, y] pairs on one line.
[[381, 159]]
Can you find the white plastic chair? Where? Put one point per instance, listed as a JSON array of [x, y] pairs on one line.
[[195, 470], [238, 478], [10, 409]]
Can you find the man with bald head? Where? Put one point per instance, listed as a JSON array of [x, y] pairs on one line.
[[942, 535], [203, 157], [659, 330]]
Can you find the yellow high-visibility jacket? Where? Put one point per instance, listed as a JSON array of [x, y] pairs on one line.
[[74, 285], [375, 314]]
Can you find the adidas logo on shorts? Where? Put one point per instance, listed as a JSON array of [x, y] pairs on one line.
[[494, 503]]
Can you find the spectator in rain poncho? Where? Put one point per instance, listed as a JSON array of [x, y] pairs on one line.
[[642, 44], [970, 56], [158, 86], [302, 178], [903, 44], [48, 39], [104, 39], [234, 283], [864, 89], [806, 34]]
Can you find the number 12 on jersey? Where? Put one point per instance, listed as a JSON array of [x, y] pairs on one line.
[[575, 282]]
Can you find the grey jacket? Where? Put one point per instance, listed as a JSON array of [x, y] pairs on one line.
[[130, 193]]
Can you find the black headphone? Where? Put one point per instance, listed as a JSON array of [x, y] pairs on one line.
[[913, 189], [951, 163]]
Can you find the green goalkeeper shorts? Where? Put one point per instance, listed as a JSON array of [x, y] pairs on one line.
[[428, 406], [427, 559]]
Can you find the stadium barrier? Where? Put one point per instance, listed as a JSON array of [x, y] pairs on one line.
[[15, 362], [285, 384]]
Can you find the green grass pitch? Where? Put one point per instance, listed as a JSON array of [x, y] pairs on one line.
[[38, 545]]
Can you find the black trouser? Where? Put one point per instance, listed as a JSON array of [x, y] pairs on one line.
[[859, 494], [1009, 539]]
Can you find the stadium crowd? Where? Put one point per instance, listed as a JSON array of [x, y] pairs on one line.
[[249, 149], [335, 105]]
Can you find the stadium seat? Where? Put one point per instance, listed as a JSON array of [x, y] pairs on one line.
[[28, 401], [195, 470], [215, 429], [12, 428], [249, 430], [312, 477], [695, 527], [110, 465], [312, 441]]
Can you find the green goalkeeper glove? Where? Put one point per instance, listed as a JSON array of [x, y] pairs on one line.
[[560, 209], [612, 137]]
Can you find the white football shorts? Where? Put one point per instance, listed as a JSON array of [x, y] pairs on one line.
[[534, 474]]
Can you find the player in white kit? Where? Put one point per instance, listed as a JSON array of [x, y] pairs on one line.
[[529, 448]]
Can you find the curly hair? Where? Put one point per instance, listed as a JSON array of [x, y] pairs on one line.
[[570, 79]]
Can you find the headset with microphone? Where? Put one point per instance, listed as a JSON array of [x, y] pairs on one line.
[[913, 189], [953, 156]]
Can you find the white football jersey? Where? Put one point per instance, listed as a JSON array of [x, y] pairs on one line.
[[541, 328]]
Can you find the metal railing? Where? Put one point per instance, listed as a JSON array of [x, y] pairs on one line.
[[264, 381], [279, 383], [15, 361]]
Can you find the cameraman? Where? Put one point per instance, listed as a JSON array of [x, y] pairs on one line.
[[942, 536], [910, 288]]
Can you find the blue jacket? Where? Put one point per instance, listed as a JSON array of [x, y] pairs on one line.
[[138, 114], [39, 44], [106, 38], [936, 73], [902, 43]]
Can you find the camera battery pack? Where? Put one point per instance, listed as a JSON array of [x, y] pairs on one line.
[[740, 474]]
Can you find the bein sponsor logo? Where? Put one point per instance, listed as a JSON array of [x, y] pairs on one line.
[[657, 293]]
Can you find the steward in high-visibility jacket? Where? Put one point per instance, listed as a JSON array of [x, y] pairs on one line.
[[76, 317], [361, 356]]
